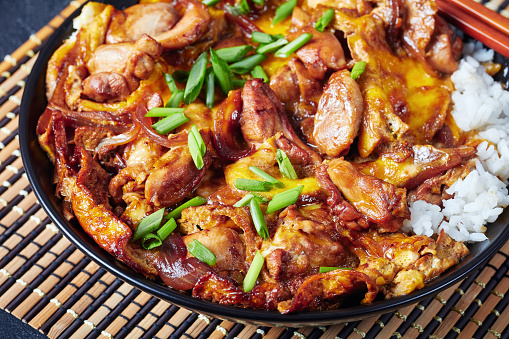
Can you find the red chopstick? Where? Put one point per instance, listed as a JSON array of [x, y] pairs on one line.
[[479, 22]]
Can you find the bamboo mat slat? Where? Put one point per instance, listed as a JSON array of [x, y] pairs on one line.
[[53, 287]]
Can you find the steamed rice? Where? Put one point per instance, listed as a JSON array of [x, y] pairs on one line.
[[482, 105]]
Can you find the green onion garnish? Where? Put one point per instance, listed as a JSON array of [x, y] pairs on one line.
[[285, 166], [266, 177], [166, 229], [258, 2], [258, 72], [242, 8], [247, 64], [196, 78], [284, 199], [171, 83], [159, 112], [293, 46], [252, 185], [211, 88], [201, 252], [261, 38], [324, 20], [176, 99], [233, 54], [150, 241], [328, 269], [253, 272], [239, 82], [210, 3], [169, 123], [284, 11], [358, 69], [177, 212], [197, 146], [247, 199], [258, 220], [180, 76], [148, 224], [272, 47], [222, 71]]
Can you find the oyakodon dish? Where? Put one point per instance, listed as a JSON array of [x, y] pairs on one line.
[[296, 189]]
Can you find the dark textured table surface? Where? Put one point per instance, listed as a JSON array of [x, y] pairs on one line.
[[18, 20]]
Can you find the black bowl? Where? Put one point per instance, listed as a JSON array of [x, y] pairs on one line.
[[40, 171]]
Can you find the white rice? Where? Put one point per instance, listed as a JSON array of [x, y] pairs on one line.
[[481, 104]]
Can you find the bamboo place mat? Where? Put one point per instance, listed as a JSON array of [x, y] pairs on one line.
[[52, 286]]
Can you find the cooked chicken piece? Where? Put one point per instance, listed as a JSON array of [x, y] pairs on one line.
[[418, 26], [443, 51], [383, 204], [426, 162], [299, 245], [323, 52], [263, 116], [174, 176], [106, 87], [339, 114], [226, 245], [116, 70], [137, 208], [174, 27], [147, 18], [300, 18], [297, 89]]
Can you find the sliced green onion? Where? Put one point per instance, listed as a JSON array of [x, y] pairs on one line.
[[284, 199], [171, 83], [247, 64], [166, 229], [258, 220], [258, 2], [272, 47], [148, 224], [285, 166], [180, 76], [233, 54], [196, 78], [286, 51], [242, 8], [169, 123], [201, 252], [358, 69], [150, 241], [325, 269], [284, 11], [211, 89], [252, 185], [176, 99], [261, 38], [247, 199], [158, 112], [177, 212], [222, 71], [197, 146], [259, 73], [253, 272], [210, 3], [324, 20], [239, 82], [266, 176]]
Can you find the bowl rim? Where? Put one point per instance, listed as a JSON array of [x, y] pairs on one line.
[[236, 314]]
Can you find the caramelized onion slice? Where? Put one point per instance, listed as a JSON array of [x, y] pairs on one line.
[[110, 143], [175, 269]]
